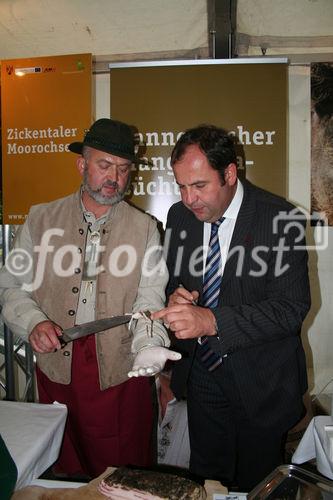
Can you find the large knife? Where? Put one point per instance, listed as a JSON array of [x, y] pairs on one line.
[[99, 325]]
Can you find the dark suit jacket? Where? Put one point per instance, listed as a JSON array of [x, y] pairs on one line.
[[262, 303]]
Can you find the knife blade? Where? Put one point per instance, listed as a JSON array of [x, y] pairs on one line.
[[99, 325]]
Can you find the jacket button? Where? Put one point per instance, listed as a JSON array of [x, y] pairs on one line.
[[71, 312], [75, 289], [79, 250], [84, 301], [66, 353], [77, 270], [81, 231]]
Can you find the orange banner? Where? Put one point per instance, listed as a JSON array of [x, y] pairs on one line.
[[46, 104]]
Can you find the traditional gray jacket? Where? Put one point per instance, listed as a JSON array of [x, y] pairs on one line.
[[53, 239]]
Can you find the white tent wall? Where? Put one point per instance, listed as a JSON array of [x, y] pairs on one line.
[[284, 27], [125, 30], [31, 28]]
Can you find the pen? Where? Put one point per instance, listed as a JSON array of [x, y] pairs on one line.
[[193, 302]]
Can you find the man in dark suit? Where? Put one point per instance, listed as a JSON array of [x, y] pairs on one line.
[[243, 368]]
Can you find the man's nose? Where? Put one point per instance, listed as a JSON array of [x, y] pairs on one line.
[[189, 196], [112, 173]]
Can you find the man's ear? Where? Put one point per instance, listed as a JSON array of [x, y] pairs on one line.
[[80, 164], [230, 174]]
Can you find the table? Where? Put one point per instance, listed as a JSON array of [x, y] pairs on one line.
[[33, 433], [317, 443]]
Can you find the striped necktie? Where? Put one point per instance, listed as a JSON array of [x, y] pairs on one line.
[[210, 292]]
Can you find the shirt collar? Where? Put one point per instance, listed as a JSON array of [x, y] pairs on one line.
[[233, 208]]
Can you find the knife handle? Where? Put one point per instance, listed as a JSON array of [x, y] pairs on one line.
[[63, 342]]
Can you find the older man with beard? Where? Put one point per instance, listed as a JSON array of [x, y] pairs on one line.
[[93, 256]]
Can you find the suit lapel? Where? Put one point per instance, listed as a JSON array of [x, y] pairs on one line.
[[241, 235]]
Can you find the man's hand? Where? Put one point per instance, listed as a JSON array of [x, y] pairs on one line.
[[151, 360], [183, 296], [187, 321], [44, 337]]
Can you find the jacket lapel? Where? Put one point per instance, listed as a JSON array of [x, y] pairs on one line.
[[241, 235]]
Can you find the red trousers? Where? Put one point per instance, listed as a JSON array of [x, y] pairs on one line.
[[104, 428]]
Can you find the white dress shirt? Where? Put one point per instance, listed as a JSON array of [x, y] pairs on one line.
[[226, 229]]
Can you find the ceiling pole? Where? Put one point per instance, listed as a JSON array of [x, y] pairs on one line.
[[222, 28]]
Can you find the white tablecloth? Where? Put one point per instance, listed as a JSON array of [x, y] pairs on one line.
[[33, 433], [315, 443], [50, 483]]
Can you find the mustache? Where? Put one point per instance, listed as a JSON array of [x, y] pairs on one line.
[[113, 184]]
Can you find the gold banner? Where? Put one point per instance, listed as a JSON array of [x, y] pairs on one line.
[[249, 100], [46, 104]]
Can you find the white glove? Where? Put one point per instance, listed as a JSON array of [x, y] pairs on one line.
[[151, 360]]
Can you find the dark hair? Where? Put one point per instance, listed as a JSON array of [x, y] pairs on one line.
[[214, 142]]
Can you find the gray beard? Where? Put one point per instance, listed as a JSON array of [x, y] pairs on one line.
[[97, 195]]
